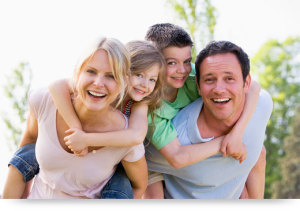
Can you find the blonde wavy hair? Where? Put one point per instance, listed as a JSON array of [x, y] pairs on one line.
[[119, 60]]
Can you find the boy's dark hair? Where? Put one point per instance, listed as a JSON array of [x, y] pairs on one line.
[[165, 35], [222, 47]]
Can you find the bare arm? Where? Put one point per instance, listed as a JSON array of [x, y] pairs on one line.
[[232, 144], [180, 156], [61, 95], [14, 185], [138, 175], [133, 135]]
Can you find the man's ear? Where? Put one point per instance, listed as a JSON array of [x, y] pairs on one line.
[[198, 87], [247, 83]]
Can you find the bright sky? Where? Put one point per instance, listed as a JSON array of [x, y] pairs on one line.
[[50, 34]]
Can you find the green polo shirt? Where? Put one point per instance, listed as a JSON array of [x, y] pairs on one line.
[[164, 131]]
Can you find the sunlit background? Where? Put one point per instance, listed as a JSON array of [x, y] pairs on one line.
[[50, 35]]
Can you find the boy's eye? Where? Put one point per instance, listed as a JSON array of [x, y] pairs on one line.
[[171, 63], [187, 61]]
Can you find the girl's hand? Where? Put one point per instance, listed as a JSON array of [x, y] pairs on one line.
[[75, 140], [234, 147]]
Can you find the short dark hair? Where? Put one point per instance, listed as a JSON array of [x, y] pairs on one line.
[[222, 47], [165, 35]]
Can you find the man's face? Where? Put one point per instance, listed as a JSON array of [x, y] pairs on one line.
[[222, 87]]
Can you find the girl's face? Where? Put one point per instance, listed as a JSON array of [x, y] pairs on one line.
[[142, 84], [178, 65], [96, 85]]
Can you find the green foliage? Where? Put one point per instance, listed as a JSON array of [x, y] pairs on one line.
[[278, 68], [289, 185], [16, 90], [198, 17]]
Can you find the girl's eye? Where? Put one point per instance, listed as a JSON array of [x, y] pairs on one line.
[[139, 75], [153, 80]]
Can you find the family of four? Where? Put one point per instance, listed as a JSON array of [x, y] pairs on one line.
[[141, 121]]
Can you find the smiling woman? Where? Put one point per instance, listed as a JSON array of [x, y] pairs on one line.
[[99, 80]]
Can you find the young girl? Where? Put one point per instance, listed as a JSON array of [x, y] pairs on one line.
[[98, 82]]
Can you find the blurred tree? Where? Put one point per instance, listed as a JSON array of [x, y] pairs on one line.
[[198, 17], [289, 185], [16, 90], [277, 66]]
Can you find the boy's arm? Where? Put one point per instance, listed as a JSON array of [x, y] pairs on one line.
[[61, 91], [232, 144], [133, 135], [137, 173], [184, 155]]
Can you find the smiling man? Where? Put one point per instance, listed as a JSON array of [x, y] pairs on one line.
[[223, 79]]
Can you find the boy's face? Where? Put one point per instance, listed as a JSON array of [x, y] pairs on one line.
[[178, 65]]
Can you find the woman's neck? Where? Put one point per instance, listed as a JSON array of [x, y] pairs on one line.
[[170, 93], [93, 120]]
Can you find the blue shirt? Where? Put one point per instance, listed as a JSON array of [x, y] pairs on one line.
[[216, 177]]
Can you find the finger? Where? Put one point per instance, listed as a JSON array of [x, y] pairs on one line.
[[69, 131], [223, 149]]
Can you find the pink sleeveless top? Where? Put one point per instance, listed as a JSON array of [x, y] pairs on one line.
[[65, 175]]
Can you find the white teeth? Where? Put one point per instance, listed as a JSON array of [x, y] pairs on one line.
[[221, 100], [140, 91], [96, 94]]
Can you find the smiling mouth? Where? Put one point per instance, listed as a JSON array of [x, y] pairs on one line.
[[139, 91], [96, 94], [221, 100]]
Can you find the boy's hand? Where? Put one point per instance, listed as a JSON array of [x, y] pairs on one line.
[[234, 147], [75, 140]]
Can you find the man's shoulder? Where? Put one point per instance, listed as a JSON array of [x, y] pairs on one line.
[[188, 110]]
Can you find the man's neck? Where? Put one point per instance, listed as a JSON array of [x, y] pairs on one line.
[[212, 127]]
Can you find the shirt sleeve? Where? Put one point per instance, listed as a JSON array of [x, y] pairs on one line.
[[135, 153], [36, 99], [163, 132]]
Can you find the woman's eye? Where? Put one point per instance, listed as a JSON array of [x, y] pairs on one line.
[[110, 76], [91, 71]]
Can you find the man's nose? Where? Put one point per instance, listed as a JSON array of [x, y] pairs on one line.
[[219, 87]]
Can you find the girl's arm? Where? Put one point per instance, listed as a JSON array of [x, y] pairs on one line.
[[61, 91], [137, 173], [15, 185], [232, 144], [133, 135]]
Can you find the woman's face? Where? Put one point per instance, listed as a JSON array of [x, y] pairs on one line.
[[96, 85]]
